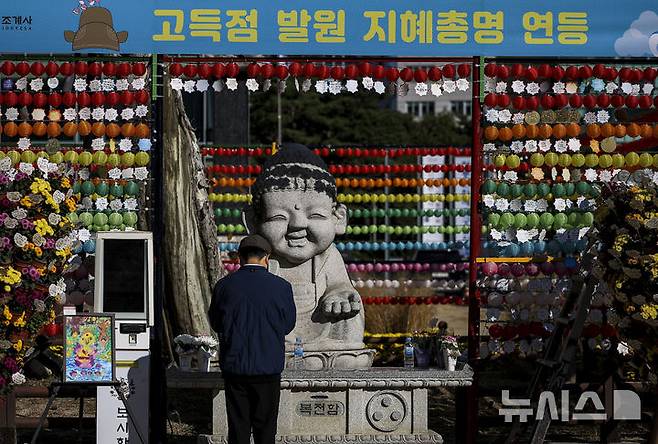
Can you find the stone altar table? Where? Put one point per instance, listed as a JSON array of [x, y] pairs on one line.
[[378, 405]]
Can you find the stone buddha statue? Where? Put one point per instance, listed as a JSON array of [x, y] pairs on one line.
[[294, 207]]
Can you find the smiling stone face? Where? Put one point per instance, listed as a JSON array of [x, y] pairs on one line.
[[298, 224]]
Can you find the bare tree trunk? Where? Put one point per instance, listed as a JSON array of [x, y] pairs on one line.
[[192, 262]]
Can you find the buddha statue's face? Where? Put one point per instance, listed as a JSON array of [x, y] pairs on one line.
[[300, 224]]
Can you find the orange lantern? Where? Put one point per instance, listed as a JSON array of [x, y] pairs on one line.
[[112, 130], [70, 128], [620, 130], [531, 131], [646, 131], [573, 130], [593, 130], [607, 130], [98, 129], [505, 134], [127, 130], [53, 129], [633, 129], [142, 131], [559, 131], [39, 129], [518, 131], [11, 129], [84, 128], [24, 129], [491, 133], [545, 131]]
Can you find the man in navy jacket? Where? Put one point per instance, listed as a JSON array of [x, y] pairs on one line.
[[252, 310]]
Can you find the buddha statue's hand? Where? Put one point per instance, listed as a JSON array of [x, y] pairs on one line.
[[341, 304]]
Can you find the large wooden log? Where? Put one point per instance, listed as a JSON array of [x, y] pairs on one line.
[[192, 262]]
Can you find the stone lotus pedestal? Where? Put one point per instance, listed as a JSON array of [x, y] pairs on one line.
[[378, 405]]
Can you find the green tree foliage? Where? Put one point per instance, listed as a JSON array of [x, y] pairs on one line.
[[363, 118]]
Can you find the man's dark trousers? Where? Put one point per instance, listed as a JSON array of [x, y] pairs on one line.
[[252, 404]]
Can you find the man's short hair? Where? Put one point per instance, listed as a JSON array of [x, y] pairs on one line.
[[252, 253]]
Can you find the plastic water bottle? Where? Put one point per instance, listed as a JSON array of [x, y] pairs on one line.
[[408, 354], [298, 355]]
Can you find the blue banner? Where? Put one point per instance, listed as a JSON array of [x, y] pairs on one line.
[[333, 27]]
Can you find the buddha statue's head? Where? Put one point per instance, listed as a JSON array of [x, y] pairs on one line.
[[294, 205]]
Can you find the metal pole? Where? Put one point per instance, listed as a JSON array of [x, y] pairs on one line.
[[279, 129], [472, 406]]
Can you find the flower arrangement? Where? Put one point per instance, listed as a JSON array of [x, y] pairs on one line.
[[449, 343], [200, 347], [36, 242], [627, 266]]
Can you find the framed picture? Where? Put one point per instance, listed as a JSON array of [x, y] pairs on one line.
[[89, 348]]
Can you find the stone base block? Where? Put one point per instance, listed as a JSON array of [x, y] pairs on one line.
[[429, 438]]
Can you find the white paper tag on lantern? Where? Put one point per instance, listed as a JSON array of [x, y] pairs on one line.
[[352, 86], [217, 85], [518, 86], [559, 204], [436, 89], [141, 110], [306, 85], [24, 143], [101, 203], [130, 204], [335, 87], [21, 84], [95, 85], [571, 87], [501, 87], [296, 83], [108, 84], [188, 86], [626, 87], [232, 84], [495, 234], [558, 88], [489, 201], [321, 86], [449, 86], [502, 204], [116, 205], [517, 146], [127, 173], [139, 83], [516, 205], [602, 116], [127, 113], [80, 84], [125, 144], [605, 176], [281, 85], [505, 115], [530, 205], [531, 146], [11, 114], [532, 88], [367, 83], [511, 176], [462, 84], [566, 174], [491, 115], [36, 84], [122, 84], [544, 145], [38, 114], [421, 89], [201, 85], [98, 144], [635, 90], [53, 82], [252, 84], [176, 84], [114, 173], [98, 113], [490, 85], [111, 114], [590, 174], [574, 144], [542, 205], [141, 173], [647, 88], [561, 146], [489, 147]]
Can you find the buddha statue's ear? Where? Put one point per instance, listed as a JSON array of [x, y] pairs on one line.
[[249, 219], [341, 215]]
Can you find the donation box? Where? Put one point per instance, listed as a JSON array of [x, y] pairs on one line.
[[124, 287]]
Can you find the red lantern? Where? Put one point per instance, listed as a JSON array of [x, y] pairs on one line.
[[490, 100], [55, 99], [379, 72], [83, 99], [37, 69], [557, 73], [22, 69], [617, 100], [518, 102], [547, 101], [392, 74], [175, 69], [532, 103], [190, 70], [531, 74], [608, 331], [561, 100], [295, 69], [434, 73], [124, 69], [68, 99], [351, 71], [503, 100], [139, 69], [81, 68], [502, 72], [625, 74], [591, 331], [98, 98], [517, 70], [545, 71], [252, 70], [585, 72], [10, 99], [337, 73], [365, 69], [490, 70], [644, 102], [204, 71], [40, 100], [632, 101], [50, 329], [636, 76], [611, 73], [267, 71], [8, 68], [420, 75], [110, 69], [218, 70], [309, 70], [650, 74], [25, 99], [127, 97], [603, 100], [599, 71], [232, 70], [281, 72], [322, 72], [495, 331], [571, 73], [589, 101], [407, 74], [448, 71], [112, 98], [95, 69], [464, 70]]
